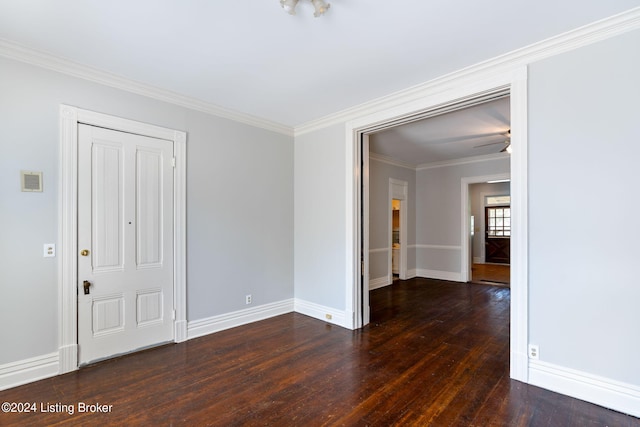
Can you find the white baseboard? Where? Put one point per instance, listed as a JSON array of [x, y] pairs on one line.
[[601, 391], [181, 328], [441, 275], [412, 273], [380, 282], [478, 260], [201, 327], [68, 358], [321, 312], [28, 370]]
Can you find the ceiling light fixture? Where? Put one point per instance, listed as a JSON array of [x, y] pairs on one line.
[[290, 6]]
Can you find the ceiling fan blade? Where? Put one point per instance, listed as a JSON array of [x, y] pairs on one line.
[[506, 135], [506, 149], [491, 143]]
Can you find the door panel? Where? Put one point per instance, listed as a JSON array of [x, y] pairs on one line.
[[107, 205], [149, 209], [125, 221], [498, 234]]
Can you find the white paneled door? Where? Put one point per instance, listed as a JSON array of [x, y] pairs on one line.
[[125, 242]]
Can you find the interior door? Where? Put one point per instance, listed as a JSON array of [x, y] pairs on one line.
[[498, 234], [125, 239]]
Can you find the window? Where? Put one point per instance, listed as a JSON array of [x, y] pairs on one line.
[[499, 221]]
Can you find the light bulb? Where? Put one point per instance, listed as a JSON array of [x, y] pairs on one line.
[[289, 6], [321, 7]]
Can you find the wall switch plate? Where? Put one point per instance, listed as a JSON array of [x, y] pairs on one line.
[[49, 250]]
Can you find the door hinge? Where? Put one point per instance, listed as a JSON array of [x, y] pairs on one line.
[[173, 162], [173, 314], [362, 268]]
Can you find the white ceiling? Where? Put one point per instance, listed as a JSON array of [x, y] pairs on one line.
[[479, 130], [252, 57]]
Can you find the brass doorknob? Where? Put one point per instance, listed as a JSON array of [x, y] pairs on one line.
[[84, 252]]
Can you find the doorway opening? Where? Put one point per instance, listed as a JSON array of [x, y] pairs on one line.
[[490, 248], [395, 239], [515, 86]]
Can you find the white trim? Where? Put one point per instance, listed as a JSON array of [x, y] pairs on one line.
[[70, 117], [519, 227], [445, 247], [463, 161], [445, 163], [180, 237], [412, 273], [390, 161], [379, 250], [602, 391], [209, 325], [321, 312], [380, 282], [21, 53], [465, 266], [399, 190], [582, 36], [452, 276], [28, 370]]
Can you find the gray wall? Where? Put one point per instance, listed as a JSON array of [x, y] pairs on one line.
[[320, 219], [583, 204], [438, 212], [379, 212], [433, 214], [239, 204]]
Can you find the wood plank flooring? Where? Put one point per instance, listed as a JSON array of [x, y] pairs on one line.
[[491, 274], [435, 354]]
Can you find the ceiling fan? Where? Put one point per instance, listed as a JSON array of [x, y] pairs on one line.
[[506, 142]]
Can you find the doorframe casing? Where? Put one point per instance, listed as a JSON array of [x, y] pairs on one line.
[[398, 190], [454, 92], [70, 117], [465, 243]]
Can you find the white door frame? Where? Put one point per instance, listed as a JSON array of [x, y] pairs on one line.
[[453, 93], [70, 117], [398, 190], [467, 250]]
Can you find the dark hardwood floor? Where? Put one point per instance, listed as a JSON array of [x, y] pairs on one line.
[[435, 354]]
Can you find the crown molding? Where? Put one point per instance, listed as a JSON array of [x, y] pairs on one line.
[[582, 36], [463, 161], [391, 161], [21, 53], [433, 165], [579, 37]]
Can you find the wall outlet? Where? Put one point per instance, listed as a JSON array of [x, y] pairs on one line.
[[49, 250], [247, 299], [534, 352]]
